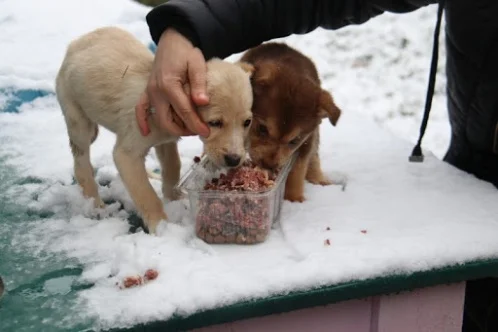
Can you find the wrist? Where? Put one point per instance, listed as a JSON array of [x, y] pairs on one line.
[[164, 19], [184, 34], [173, 33]]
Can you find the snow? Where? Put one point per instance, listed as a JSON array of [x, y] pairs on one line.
[[416, 216], [34, 34]]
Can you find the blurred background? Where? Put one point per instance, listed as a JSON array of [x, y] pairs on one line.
[[379, 69]]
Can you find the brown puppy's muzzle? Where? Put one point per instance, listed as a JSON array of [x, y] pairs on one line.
[[273, 164]]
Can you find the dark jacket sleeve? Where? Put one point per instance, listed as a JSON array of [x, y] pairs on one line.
[[224, 27]]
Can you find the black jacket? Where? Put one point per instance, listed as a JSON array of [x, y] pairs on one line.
[[224, 27]]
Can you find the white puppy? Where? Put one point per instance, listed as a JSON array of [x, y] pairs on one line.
[[100, 81]]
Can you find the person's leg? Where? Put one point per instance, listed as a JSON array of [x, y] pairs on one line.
[[472, 86], [472, 72], [481, 306]]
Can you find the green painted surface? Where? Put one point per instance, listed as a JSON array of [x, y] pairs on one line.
[[40, 287]]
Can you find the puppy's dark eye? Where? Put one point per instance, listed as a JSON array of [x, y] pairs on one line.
[[247, 123], [215, 123], [262, 130], [294, 141]]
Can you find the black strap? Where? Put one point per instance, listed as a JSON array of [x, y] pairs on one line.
[[417, 155]]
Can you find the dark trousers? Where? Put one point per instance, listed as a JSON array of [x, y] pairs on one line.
[[481, 306], [481, 296]]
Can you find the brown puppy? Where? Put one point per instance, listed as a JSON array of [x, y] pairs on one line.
[[288, 107]]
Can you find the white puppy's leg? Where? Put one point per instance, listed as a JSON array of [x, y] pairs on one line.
[[131, 168], [169, 158], [82, 132]]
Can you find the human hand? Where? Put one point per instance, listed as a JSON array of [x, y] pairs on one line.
[[176, 63]]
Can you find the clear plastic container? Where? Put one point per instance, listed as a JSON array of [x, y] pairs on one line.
[[228, 217]]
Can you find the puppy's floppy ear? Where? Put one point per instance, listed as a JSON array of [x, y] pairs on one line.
[[327, 107], [247, 67]]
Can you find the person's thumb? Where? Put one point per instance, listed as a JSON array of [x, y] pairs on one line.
[[197, 78]]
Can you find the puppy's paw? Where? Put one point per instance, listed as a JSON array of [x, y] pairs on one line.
[[152, 223], [98, 203], [152, 228], [161, 228], [294, 197], [323, 181]]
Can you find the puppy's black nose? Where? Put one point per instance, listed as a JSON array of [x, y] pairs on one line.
[[232, 160]]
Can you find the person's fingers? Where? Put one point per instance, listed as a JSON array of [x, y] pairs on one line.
[[185, 110], [180, 123], [141, 114], [164, 117], [196, 70]]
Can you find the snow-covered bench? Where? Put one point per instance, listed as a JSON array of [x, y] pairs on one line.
[[395, 226]]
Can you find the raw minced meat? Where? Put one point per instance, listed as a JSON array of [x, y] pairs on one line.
[[242, 219]]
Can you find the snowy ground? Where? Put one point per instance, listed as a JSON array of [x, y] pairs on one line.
[[375, 71]]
